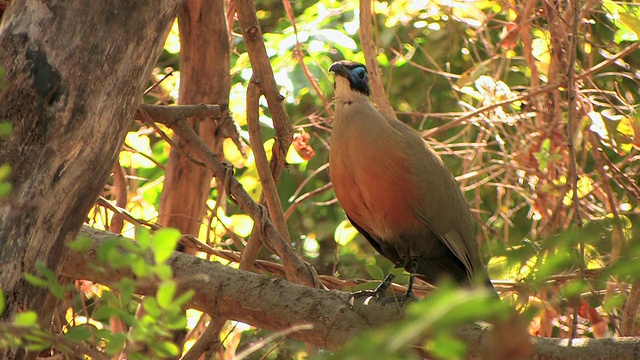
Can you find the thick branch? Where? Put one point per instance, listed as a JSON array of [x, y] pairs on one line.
[[166, 114], [269, 303], [275, 304]]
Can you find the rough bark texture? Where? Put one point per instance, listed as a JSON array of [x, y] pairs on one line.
[[75, 73], [204, 78], [267, 302], [275, 304]]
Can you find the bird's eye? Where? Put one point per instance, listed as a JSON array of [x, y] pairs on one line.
[[361, 75]]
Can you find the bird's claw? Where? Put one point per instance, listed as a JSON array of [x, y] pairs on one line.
[[406, 299], [382, 297], [369, 294]]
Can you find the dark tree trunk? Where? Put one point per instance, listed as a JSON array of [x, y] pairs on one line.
[[75, 73]]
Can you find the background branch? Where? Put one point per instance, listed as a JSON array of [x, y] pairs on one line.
[[370, 51], [295, 268]]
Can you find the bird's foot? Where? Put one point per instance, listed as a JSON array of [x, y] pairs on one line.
[[377, 294], [380, 295], [405, 299]]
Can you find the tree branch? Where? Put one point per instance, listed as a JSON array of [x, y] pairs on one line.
[[263, 74], [270, 303], [275, 304], [269, 187], [252, 35]]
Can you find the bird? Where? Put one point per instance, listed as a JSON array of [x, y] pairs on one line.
[[397, 192]]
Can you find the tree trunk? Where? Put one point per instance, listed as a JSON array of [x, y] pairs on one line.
[[75, 73], [204, 78]]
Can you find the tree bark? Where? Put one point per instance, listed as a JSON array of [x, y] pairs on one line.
[[204, 78], [275, 304], [75, 74]]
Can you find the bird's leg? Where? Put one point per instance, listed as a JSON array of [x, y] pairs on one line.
[[413, 268], [380, 291]]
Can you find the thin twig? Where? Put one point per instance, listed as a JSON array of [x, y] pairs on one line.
[[120, 185], [571, 120], [300, 56], [431, 132], [371, 55], [306, 196], [162, 116]]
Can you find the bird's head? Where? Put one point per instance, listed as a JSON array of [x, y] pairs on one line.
[[352, 74]]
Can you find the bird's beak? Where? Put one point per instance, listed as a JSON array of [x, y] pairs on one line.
[[339, 69]]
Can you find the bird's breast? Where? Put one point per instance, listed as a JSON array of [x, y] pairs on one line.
[[371, 175]]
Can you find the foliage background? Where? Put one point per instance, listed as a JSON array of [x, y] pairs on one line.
[[488, 83]]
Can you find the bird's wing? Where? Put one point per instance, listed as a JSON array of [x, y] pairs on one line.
[[442, 206], [454, 242], [394, 258]]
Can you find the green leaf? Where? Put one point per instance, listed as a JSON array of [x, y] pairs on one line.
[[631, 21], [81, 244], [115, 344], [375, 272], [44, 270], [182, 299], [26, 318], [127, 288], [5, 171], [163, 244], [151, 306], [614, 302], [103, 334], [175, 321], [57, 290], [397, 271], [143, 237], [5, 128], [104, 312], [136, 356], [141, 268], [118, 259], [2, 302], [38, 346], [105, 249], [164, 271], [79, 333], [445, 346], [34, 280], [166, 349], [165, 293], [5, 188]]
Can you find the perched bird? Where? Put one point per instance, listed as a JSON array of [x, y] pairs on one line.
[[396, 191]]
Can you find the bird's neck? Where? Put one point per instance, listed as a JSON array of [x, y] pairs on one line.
[[345, 95]]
